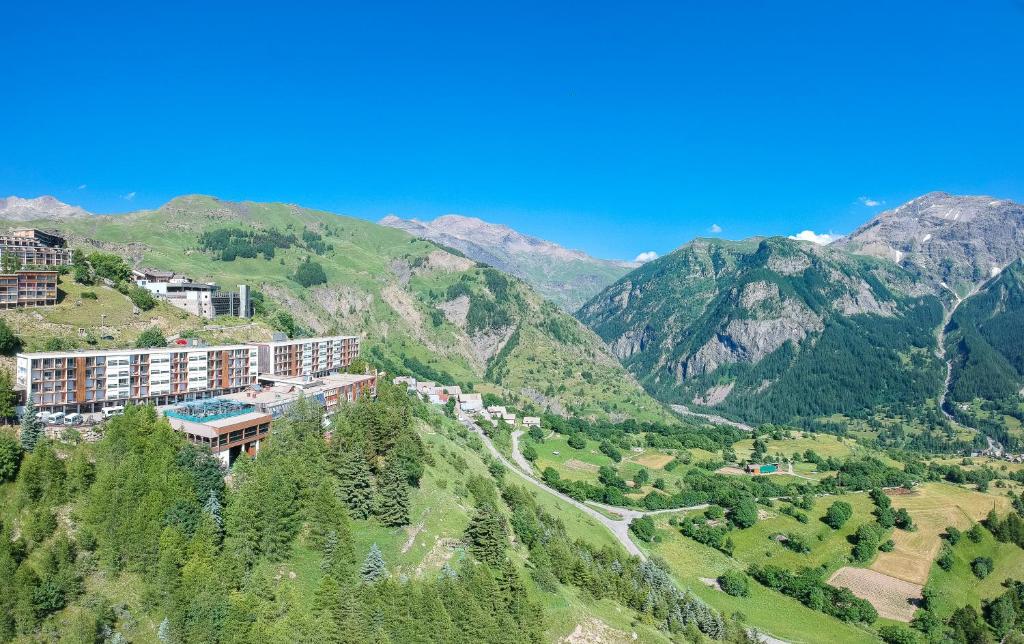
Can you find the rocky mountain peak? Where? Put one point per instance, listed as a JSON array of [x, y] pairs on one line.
[[951, 240], [46, 207]]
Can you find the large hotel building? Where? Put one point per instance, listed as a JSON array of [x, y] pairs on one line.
[[89, 381]]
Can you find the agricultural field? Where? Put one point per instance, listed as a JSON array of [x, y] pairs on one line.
[[895, 580], [933, 507], [696, 566]]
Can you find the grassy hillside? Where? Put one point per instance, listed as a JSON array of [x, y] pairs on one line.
[[101, 317], [773, 330], [421, 309]]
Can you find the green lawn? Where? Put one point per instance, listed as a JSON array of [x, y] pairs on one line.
[[829, 548], [959, 586], [824, 444]]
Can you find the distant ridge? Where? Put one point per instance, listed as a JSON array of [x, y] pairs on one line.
[[565, 276], [46, 207]]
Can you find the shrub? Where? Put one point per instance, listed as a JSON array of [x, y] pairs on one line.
[[838, 514], [9, 342], [896, 634], [975, 533], [903, 520], [945, 560], [88, 295], [643, 528], [151, 337], [744, 514], [887, 546], [310, 273], [577, 441], [953, 535], [982, 567], [735, 583]]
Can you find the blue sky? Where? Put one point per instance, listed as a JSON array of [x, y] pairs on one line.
[[614, 127]]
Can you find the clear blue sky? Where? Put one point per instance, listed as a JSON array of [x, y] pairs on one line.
[[616, 127]]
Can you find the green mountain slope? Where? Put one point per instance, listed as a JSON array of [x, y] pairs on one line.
[[421, 308], [984, 339], [772, 329], [566, 277]]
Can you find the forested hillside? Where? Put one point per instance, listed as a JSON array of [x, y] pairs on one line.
[[420, 308], [389, 527], [986, 345], [773, 330]]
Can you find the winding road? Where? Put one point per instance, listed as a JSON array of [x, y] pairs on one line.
[[523, 469], [618, 527]]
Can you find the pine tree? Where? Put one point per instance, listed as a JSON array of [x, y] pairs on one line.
[[487, 535], [391, 504], [31, 428], [374, 568], [354, 484], [6, 395], [212, 507], [163, 633]]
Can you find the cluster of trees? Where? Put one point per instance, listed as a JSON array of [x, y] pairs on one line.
[[808, 586], [657, 435], [864, 474], [87, 269], [227, 244], [607, 573], [1001, 620], [494, 304], [1009, 529]]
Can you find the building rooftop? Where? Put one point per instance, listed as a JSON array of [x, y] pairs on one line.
[[209, 410]]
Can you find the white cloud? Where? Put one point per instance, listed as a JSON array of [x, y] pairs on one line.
[[129, 196], [82, 187], [869, 202], [715, 228], [817, 238], [643, 258]]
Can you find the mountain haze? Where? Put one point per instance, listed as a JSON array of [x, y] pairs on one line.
[[45, 207], [566, 277]]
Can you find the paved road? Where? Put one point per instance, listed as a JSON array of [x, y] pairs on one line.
[[619, 528], [517, 456]]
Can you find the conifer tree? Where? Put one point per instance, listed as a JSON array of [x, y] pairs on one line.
[[391, 504], [374, 568], [487, 535], [163, 632], [6, 395], [212, 507], [31, 428], [354, 483]]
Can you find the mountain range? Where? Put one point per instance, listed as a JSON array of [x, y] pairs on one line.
[[763, 329], [566, 277], [421, 308]]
